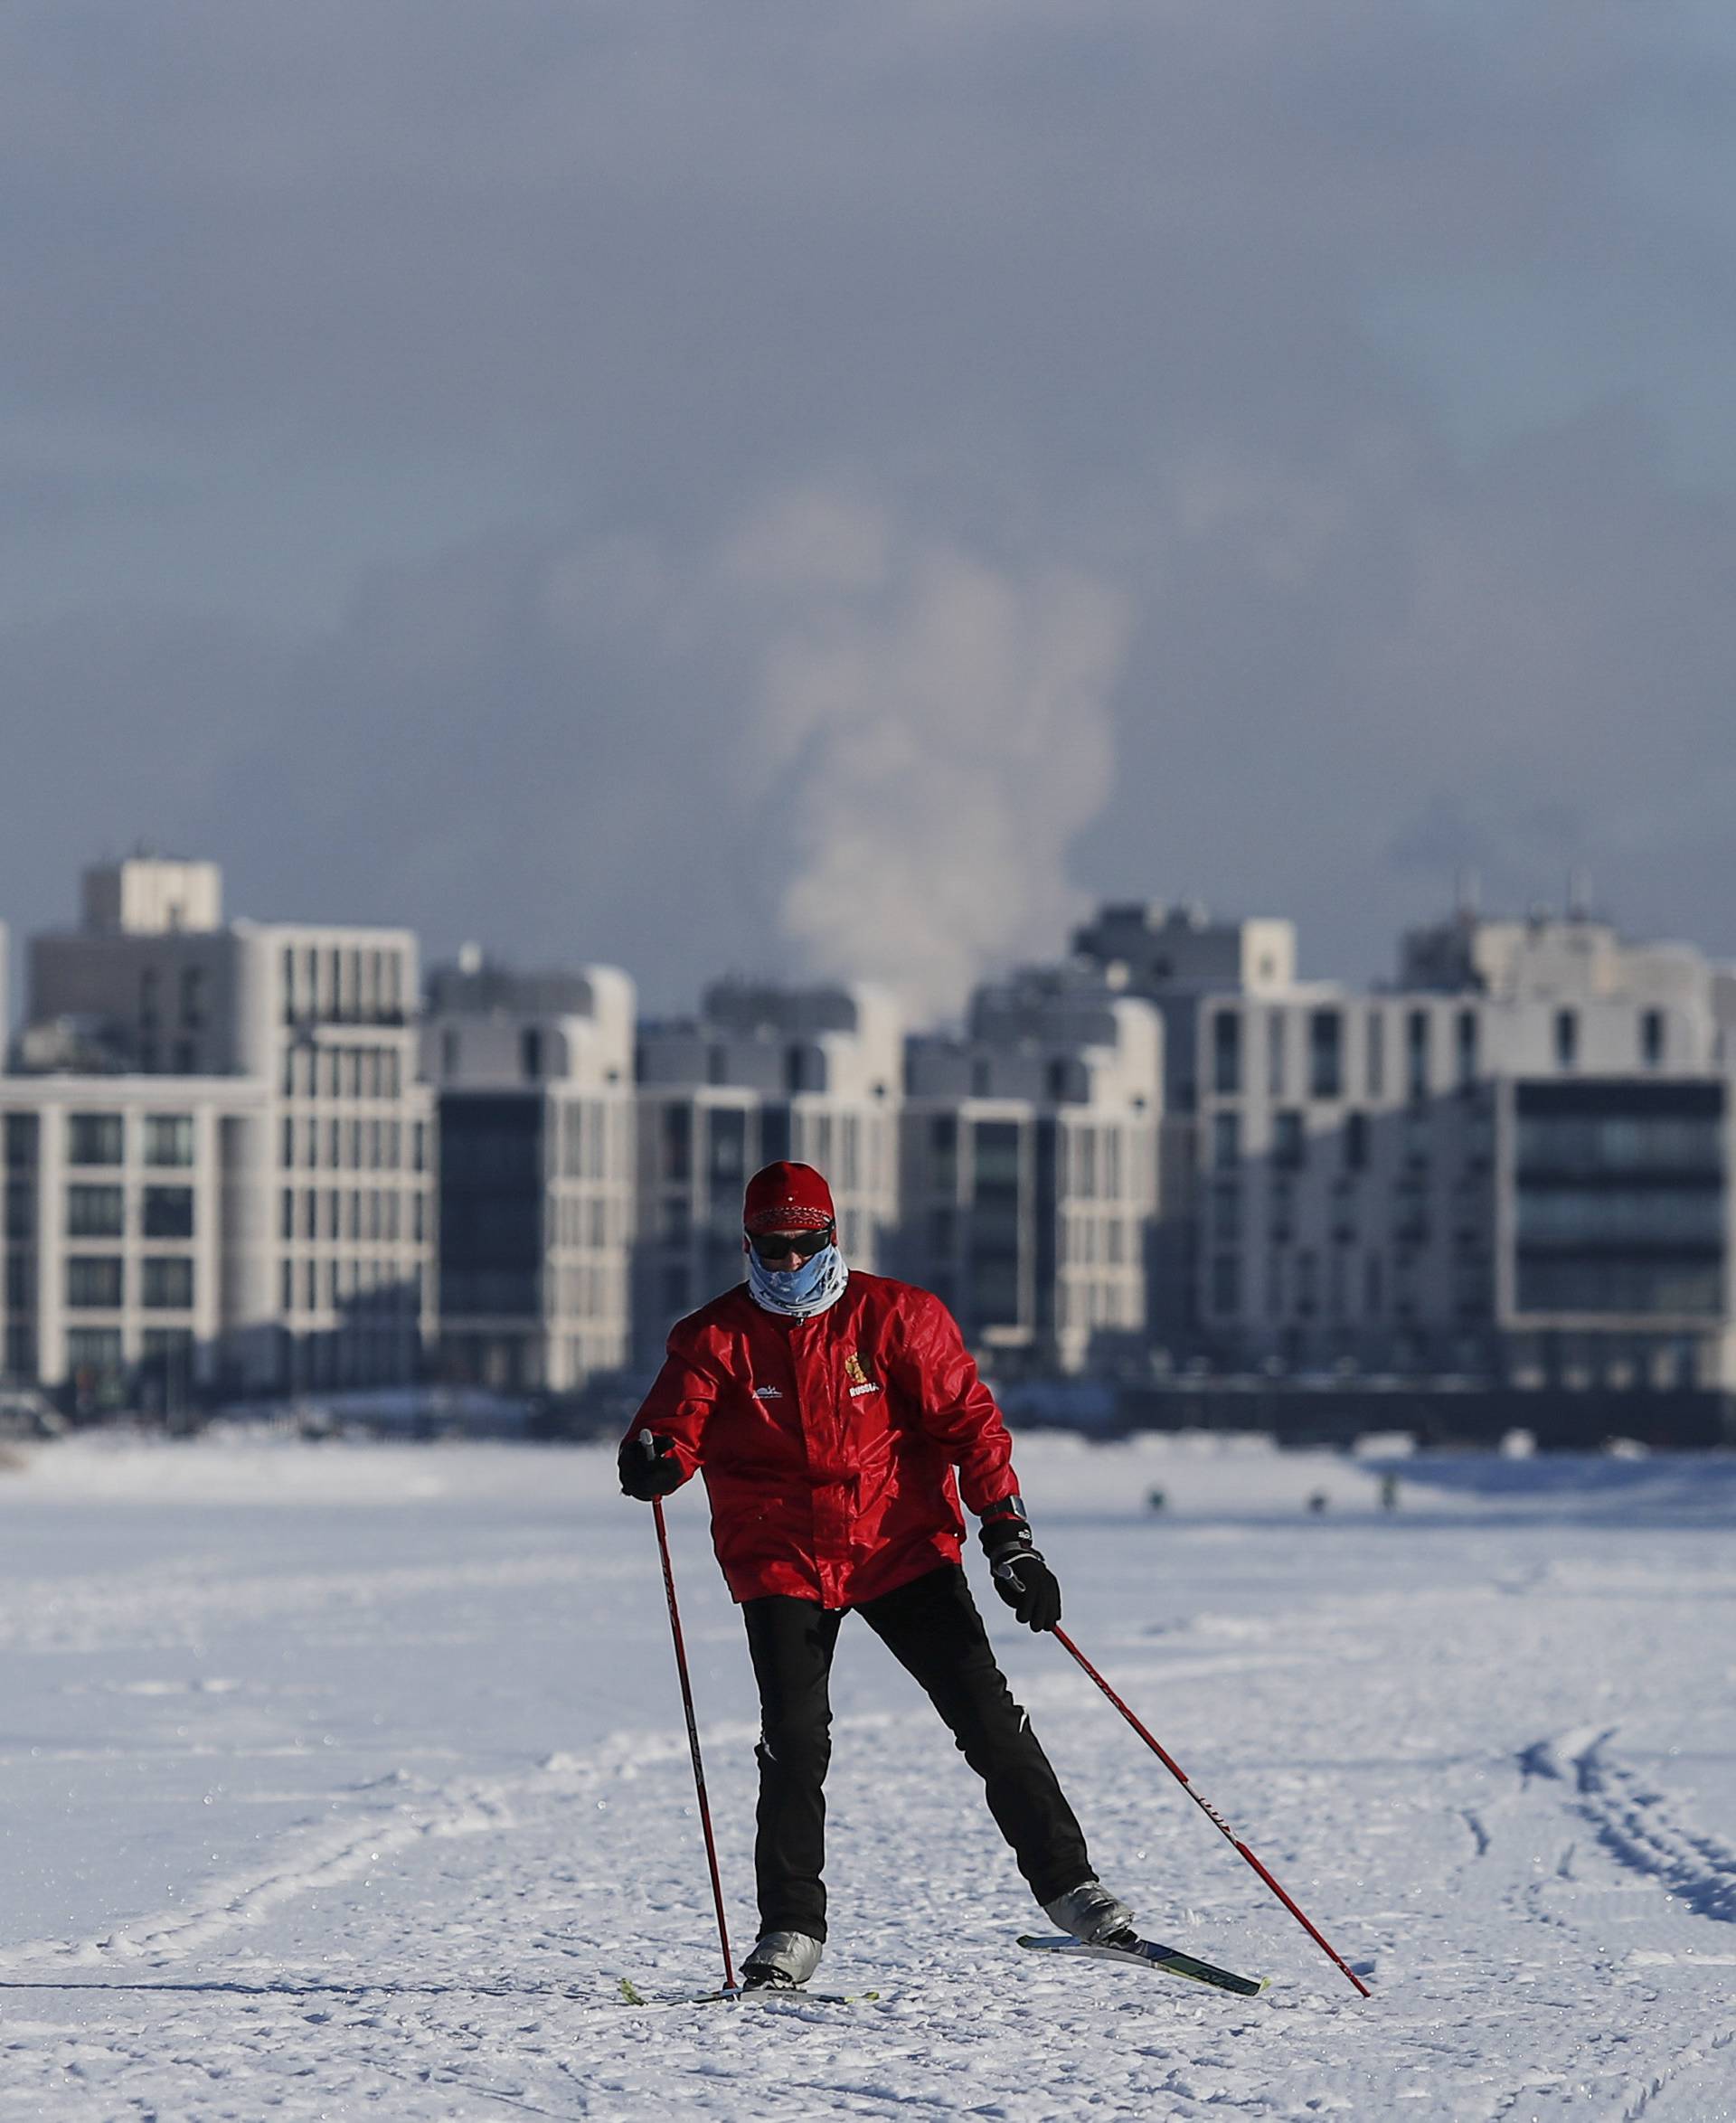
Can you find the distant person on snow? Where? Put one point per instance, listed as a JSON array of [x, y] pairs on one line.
[[827, 1410]]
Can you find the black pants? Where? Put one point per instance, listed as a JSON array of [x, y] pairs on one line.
[[932, 1627]]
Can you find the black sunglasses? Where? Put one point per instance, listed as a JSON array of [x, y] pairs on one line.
[[778, 1245]]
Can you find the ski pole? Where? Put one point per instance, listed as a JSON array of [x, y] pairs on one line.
[[729, 1983], [1212, 1813]]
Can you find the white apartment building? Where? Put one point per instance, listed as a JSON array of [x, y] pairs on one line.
[[285, 1055], [534, 1078], [1178, 959], [1029, 1170], [123, 1196], [762, 1072], [1367, 1199]]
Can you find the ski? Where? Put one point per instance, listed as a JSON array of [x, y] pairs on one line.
[[631, 1995], [1141, 1953]]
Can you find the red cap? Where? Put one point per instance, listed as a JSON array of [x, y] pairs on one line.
[[788, 1198]]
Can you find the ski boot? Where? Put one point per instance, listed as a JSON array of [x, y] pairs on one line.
[[1089, 1913], [780, 1960]]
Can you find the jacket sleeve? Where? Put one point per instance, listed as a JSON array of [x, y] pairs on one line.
[[956, 1408], [680, 1401]]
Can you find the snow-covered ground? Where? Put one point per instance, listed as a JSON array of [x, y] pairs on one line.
[[344, 1780]]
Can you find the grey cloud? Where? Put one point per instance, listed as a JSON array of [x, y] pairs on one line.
[[1080, 321], [821, 743]]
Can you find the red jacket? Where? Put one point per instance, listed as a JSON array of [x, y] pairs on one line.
[[828, 1444]]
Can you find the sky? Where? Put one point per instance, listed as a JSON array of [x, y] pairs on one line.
[[820, 490]]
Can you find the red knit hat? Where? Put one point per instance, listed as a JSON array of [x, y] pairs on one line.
[[788, 1198]]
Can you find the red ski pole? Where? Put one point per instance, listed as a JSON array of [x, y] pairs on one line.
[[729, 1983], [1211, 1814]]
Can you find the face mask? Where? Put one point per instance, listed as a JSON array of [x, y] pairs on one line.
[[810, 1286]]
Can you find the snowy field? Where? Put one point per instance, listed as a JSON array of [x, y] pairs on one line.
[[347, 1780]]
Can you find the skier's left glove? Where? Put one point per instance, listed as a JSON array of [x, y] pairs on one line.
[[1022, 1577]]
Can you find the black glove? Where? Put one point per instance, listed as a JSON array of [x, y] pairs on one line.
[[1022, 1577], [649, 1467]]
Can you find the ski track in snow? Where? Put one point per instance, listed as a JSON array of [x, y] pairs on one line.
[[1549, 1923]]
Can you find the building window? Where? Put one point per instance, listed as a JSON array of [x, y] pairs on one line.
[[678, 1143], [1651, 1038], [1567, 1039], [1374, 1058], [727, 1146], [20, 1352], [94, 1138], [168, 1282], [1290, 1139], [94, 1281], [168, 1138], [1326, 1054], [1226, 1140], [1226, 1283], [1466, 1049], [1357, 1142], [168, 1351], [1416, 1054], [93, 1350], [21, 1141], [996, 1149], [1226, 1053], [21, 1280], [168, 1213], [95, 1213], [193, 989], [943, 1151]]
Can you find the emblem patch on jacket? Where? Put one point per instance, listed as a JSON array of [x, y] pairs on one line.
[[858, 1379], [768, 1392]]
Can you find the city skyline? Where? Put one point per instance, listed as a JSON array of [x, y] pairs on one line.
[[1577, 900], [244, 1155]]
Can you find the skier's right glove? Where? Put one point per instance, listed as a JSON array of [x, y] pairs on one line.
[[649, 1467], [1022, 1577]]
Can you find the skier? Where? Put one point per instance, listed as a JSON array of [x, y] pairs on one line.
[[827, 1408]]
